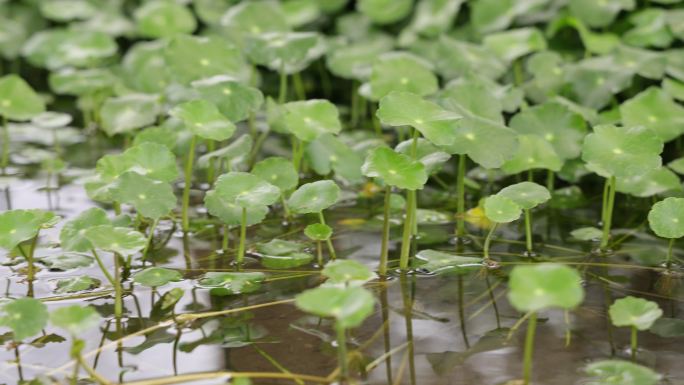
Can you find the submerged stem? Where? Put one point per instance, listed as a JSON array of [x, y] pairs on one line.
[[408, 230], [384, 246], [609, 202], [188, 181], [243, 235], [529, 348]]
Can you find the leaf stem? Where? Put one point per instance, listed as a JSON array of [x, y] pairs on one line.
[[668, 261], [488, 241], [188, 181], [282, 94], [528, 230], [342, 352], [148, 244], [331, 249], [460, 196], [243, 236], [529, 348], [408, 229], [384, 246], [4, 161], [609, 202], [118, 307]]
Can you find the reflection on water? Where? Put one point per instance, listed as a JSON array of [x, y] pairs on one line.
[[427, 330]]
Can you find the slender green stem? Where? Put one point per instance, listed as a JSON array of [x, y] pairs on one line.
[[668, 261], [460, 196], [529, 348], [117, 208], [319, 253], [224, 241], [282, 94], [188, 182], [286, 209], [528, 230], [354, 118], [408, 230], [297, 153], [148, 244], [299, 86], [211, 169], [488, 241], [118, 306], [608, 218], [4, 161], [550, 181], [243, 236], [342, 353], [634, 343], [384, 246], [331, 249]]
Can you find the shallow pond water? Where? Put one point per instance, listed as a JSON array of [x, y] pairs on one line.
[[427, 329]]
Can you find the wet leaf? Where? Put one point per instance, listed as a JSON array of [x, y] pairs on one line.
[[634, 312], [17, 226], [349, 306], [439, 262], [126, 113], [231, 283], [617, 372], [654, 109], [162, 18], [67, 261], [501, 209], [26, 317], [526, 194], [308, 120], [279, 247], [204, 119], [666, 218], [587, 233], [314, 197], [318, 231], [286, 261], [401, 72], [18, 101], [75, 319], [347, 271], [394, 169], [119, 240], [151, 198], [622, 151], [544, 286], [76, 284], [156, 276]]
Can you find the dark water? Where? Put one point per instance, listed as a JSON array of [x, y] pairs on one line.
[[437, 329]]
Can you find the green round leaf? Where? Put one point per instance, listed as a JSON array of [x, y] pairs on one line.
[[127, 113], [349, 306], [119, 240], [634, 312], [76, 284], [151, 198], [328, 153], [163, 18], [290, 52], [654, 182], [318, 231], [439, 262], [278, 171], [526, 194], [543, 286], [279, 247], [395, 169], [314, 197], [487, 143], [654, 109], [309, 119], [223, 284], [67, 261], [236, 101], [75, 319], [26, 317], [156, 276], [385, 11], [622, 151], [18, 101], [344, 271], [286, 261], [223, 206], [17, 226], [501, 209], [515, 43], [398, 71], [533, 152], [72, 237], [666, 218], [618, 372], [204, 119], [246, 190]]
